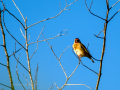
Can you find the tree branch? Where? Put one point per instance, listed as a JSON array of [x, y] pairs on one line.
[[80, 84], [5, 85], [15, 18], [103, 49], [91, 12], [19, 10], [113, 15], [60, 34], [10, 33], [51, 87], [114, 4], [18, 74], [28, 59], [3, 65], [54, 16], [6, 53], [37, 43]]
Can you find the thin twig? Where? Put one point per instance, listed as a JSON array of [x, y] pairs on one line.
[[54, 16], [34, 52], [21, 64], [63, 69], [99, 34], [35, 80], [63, 52], [11, 34], [114, 4], [17, 73], [93, 13], [70, 76], [37, 43], [5, 85], [27, 80], [81, 84], [74, 70], [113, 15], [17, 50], [89, 68], [60, 34], [56, 86], [15, 18], [22, 32], [3, 65], [18, 10], [51, 87]]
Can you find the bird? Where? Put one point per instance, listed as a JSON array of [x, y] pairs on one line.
[[81, 50]]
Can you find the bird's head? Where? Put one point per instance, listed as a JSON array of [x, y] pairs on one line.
[[77, 40]]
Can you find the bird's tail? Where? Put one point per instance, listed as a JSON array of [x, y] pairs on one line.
[[91, 60]]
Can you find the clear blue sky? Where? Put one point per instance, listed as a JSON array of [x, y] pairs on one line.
[[82, 25]]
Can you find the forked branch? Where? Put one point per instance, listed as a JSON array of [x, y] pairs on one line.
[[67, 78], [91, 12], [55, 15]]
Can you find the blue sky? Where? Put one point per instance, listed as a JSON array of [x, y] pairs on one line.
[[82, 25]]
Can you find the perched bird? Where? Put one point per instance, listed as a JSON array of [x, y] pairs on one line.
[[81, 50]]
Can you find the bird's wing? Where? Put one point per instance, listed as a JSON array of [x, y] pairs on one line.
[[84, 48]]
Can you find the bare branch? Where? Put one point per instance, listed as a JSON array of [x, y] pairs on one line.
[[63, 69], [37, 43], [54, 16], [18, 74], [63, 52], [34, 52], [107, 2], [60, 34], [114, 4], [19, 10], [3, 65], [91, 4], [74, 70], [27, 53], [27, 80], [91, 12], [60, 6], [15, 18], [80, 84], [35, 80], [51, 87], [51, 48], [56, 86], [113, 15], [5, 85], [99, 34], [89, 68], [104, 43], [6, 53], [10, 33], [22, 32], [17, 51], [70, 76], [21, 63]]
